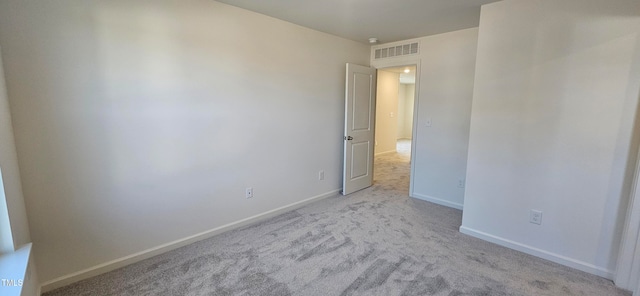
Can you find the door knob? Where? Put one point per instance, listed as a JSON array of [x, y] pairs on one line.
[[348, 138]]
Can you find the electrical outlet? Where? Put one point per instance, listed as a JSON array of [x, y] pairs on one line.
[[321, 175], [460, 183], [535, 217], [248, 193], [428, 122]]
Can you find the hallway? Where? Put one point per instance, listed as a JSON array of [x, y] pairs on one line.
[[392, 170]]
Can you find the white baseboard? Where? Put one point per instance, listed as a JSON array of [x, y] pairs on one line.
[[573, 263], [127, 260], [439, 201]]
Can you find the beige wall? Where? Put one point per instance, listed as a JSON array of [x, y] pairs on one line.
[[139, 123], [386, 111], [555, 96], [406, 93]]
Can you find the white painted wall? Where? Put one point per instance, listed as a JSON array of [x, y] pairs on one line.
[[14, 228], [445, 75], [551, 126], [140, 123], [406, 93], [386, 111]]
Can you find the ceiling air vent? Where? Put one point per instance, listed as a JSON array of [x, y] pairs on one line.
[[395, 51]]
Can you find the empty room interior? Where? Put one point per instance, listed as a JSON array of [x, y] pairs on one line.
[[283, 147]]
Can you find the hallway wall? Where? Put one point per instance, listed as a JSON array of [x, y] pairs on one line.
[[406, 93], [386, 111]]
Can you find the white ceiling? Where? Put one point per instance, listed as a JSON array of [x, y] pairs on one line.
[[358, 20]]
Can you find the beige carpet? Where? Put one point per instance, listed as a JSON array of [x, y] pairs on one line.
[[374, 242]]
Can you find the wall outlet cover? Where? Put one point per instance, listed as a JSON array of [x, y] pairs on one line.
[[535, 217]]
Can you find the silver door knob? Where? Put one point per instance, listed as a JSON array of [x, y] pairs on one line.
[[348, 138]]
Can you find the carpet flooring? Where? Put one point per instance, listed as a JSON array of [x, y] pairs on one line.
[[377, 241]]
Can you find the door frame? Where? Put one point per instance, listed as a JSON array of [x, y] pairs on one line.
[[402, 62]]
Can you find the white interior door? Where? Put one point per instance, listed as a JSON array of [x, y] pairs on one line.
[[360, 110]]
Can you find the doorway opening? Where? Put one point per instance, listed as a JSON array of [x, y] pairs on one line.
[[395, 103]]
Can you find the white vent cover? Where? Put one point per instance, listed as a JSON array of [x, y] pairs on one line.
[[394, 51]]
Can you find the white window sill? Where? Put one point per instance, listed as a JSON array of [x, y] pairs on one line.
[[13, 270]]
